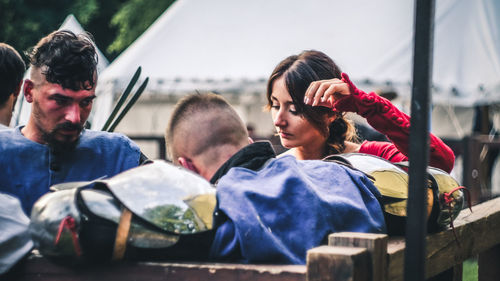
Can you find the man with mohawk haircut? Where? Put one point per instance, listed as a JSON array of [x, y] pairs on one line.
[[269, 210]]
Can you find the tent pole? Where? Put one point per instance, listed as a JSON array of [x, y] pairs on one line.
[[416, 226]]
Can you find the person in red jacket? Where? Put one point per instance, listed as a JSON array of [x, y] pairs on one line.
[[308, 96]]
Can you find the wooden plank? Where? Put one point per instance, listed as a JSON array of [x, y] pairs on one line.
[[326, 263], [376, 244], [395, 258], [489, 264], [452, 274], [458, 272], [476, 232], [39, 268]]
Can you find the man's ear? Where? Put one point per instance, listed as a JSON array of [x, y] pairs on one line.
[[28, 90], [250, 140], [188, 164]]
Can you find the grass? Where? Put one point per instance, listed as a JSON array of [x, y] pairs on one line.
[[470, 270]]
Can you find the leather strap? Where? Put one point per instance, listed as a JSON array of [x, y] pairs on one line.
[[122, 234]]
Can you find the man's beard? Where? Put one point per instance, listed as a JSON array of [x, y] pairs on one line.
[[61, 146]]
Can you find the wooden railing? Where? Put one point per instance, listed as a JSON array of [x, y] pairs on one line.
[[477, 233], [349, 256]]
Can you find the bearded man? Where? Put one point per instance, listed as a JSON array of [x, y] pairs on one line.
[[54, 147]]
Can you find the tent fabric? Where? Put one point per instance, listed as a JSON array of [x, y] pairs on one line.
[[229, 46]]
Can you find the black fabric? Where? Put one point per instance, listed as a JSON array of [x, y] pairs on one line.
[[189, 247], [252, 156], [143, 160]]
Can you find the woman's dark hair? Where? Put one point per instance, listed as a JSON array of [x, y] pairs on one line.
[[67, 59], [299, 71]]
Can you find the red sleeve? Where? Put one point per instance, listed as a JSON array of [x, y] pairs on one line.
[[386, 150], [383, 116]]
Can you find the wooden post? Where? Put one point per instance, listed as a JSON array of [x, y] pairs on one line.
[[376, 244], [471, 171], [488, 264], [327, 263]]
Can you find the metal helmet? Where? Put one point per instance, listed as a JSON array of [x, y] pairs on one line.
[[445, 197], [451, 198], [148, 207], [390, 180]]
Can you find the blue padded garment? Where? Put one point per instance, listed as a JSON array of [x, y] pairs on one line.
[[276, 214]]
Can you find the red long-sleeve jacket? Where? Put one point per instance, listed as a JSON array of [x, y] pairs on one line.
[[383, 116]]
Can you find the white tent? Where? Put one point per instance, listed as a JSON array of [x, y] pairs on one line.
[[232, 46], [23, 108]]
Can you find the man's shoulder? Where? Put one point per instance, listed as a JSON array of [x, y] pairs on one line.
[[106, 139], [15, 148], [5, 131], [91, 135], [12, 137], [3, 127], [287, 167]]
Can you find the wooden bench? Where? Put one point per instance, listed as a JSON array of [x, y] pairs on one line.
[[349, 256]]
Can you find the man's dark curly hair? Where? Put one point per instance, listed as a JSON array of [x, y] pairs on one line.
[[67, 59]]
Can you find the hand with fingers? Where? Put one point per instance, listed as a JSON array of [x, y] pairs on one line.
[[326, 92]]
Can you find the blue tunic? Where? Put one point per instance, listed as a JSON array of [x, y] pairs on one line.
[[28, 169], [277, 213]]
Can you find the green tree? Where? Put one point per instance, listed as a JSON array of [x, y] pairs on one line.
[[99, 25], [133, 18], [115, 24], [24, 22]]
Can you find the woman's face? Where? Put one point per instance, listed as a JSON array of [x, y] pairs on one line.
[[293, 128]]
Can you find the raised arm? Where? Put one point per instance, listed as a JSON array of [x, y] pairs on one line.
[[381, 114]]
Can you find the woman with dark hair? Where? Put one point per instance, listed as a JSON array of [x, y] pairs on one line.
[[308, 96]]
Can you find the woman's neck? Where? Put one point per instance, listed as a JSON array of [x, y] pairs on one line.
[[309, 152]]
